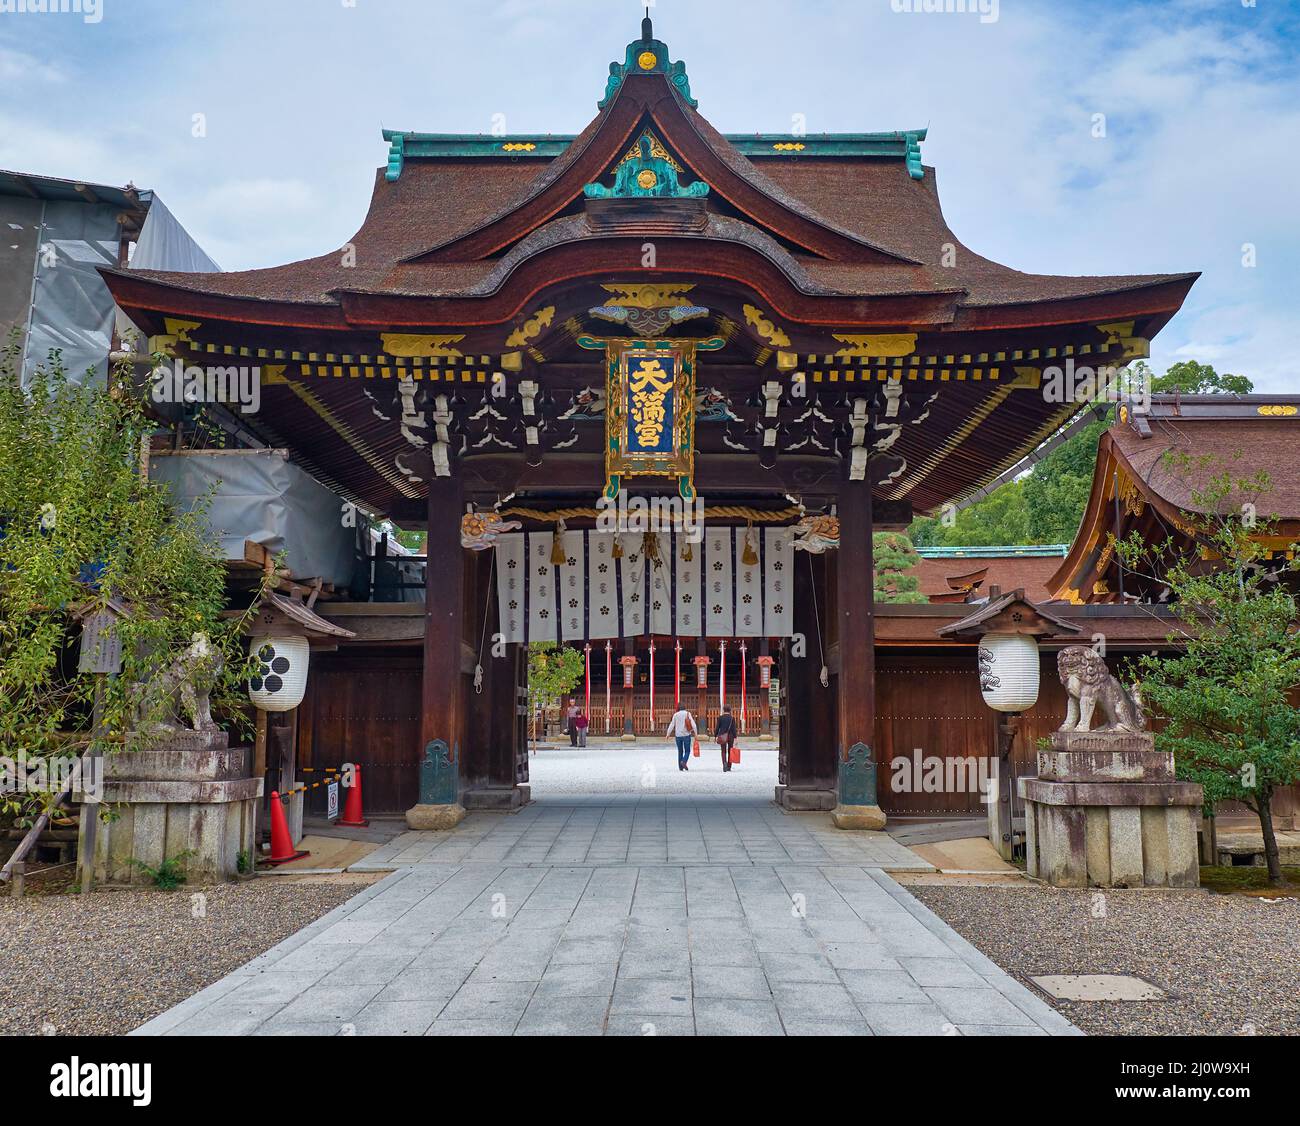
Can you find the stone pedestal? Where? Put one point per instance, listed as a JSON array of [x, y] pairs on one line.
[[190, 794], [858, 806], [1105, 811], [440, 805]]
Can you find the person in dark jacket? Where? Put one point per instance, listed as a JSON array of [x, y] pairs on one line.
[[725, 733]]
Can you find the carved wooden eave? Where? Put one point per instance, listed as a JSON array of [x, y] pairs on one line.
[[1009, 613]]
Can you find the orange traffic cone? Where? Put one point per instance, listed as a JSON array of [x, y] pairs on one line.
[[352, 815], [282, 850]]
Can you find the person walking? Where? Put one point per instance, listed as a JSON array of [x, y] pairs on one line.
[[581, 722], [682, 728], [725, 733]]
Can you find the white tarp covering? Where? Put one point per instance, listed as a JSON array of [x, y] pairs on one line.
[[165, 245], [71, 306], [262, 496], [594, 596]]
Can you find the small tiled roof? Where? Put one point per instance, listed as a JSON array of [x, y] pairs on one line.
[[1009, 572]]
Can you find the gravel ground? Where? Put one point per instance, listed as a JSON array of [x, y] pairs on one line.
[[1231, 964], [104, 965]]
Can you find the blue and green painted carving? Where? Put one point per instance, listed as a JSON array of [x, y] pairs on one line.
[[858, 776], [637, 61], [646, 176], [439, 775]]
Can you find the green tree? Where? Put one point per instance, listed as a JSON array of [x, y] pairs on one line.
[[1000, 518], [1192, 378], [894, 558], [80, 525], [1228, 691], [553, 671]]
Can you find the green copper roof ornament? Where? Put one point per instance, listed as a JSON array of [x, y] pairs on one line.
[[914, 139], [646, 176], [648, 56]]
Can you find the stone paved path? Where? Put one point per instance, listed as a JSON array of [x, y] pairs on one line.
[[645, 830], [644, 917]]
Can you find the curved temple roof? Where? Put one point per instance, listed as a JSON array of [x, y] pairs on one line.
[[863, 203], [825, 254]]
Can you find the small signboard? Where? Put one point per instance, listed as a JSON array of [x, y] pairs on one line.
[[332, 801], [101, 644]]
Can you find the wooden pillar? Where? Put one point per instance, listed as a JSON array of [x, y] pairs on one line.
[[444, 619], [855, 613], [489, 760], [807, 780]]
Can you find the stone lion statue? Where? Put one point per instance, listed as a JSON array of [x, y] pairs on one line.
[[1089, 683], [184, 686]]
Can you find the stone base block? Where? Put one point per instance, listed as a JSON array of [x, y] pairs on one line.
[[496, 797], [189, 793], [1104, 756], [870, 817], [215, 832], [1121, 835], [806, 801], [438, 818], [628, 738]]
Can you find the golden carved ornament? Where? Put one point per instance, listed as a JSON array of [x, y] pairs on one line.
[[662, 296], [887, 345], [414, 345], [765, 328], [532, 328]]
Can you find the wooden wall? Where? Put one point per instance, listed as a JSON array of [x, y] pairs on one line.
[[363, 706], [932, 702]]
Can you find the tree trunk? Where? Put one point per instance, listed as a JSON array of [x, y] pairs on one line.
[[1265, 811]]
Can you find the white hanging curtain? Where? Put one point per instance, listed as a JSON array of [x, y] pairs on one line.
[[593, 595]]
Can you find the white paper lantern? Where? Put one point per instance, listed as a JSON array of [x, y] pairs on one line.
[[1008, 666], [279, 681]]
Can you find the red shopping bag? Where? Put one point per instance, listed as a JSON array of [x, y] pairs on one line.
[[695, 747], [735, 754]]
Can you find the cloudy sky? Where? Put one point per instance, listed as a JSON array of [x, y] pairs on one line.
[[1201, 102]]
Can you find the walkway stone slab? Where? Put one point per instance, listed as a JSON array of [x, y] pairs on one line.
[[801, 931]]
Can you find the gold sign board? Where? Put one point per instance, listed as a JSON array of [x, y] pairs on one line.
[[650, 412]]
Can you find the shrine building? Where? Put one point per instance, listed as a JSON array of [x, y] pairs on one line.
[[650, 389]]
